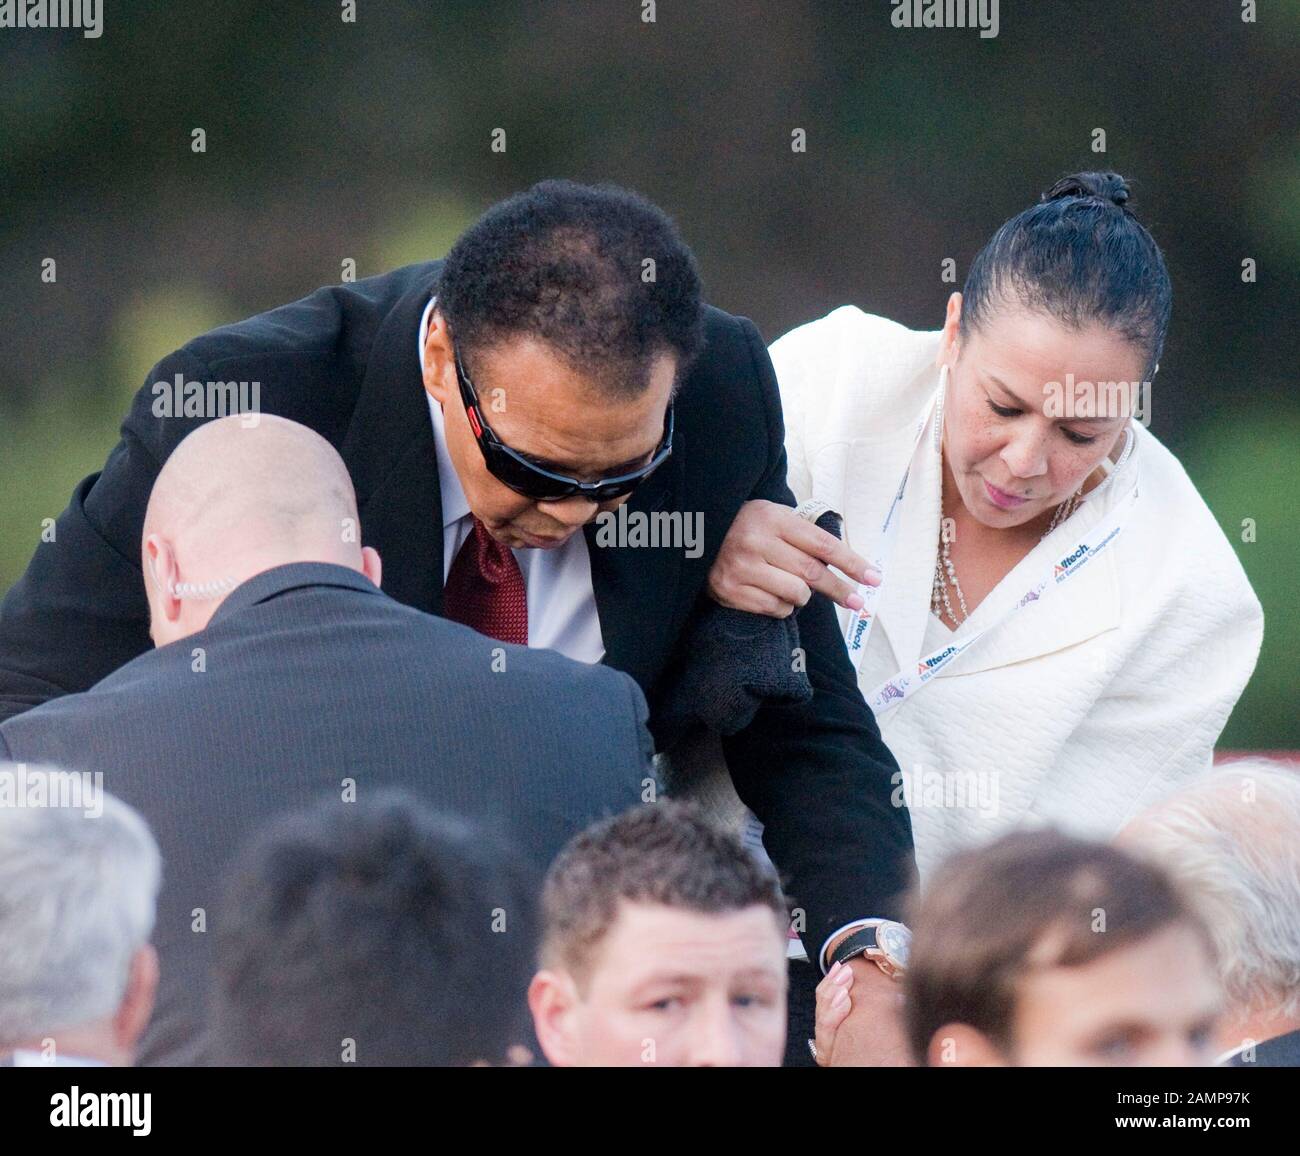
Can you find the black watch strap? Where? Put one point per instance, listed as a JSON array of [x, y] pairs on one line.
[[856, 944]]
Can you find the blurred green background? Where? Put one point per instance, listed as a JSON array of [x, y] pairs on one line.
[[371, 141]]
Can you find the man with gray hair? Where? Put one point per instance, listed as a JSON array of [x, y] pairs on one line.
[[79, 877], [1232, 839]]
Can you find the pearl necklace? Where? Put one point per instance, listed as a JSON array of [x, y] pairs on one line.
[[945, 573]]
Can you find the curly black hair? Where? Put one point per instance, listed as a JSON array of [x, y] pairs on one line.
[[596, 271]]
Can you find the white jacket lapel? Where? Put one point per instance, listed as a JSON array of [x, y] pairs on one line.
[[1087, 605], [874, 469]]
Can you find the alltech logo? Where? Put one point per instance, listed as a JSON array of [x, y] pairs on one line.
[[860, 629], [927, 664], [1069, 560]]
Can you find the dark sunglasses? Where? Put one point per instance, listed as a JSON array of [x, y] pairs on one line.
[[543, 485]]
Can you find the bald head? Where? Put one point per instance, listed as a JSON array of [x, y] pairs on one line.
[[234, 500]]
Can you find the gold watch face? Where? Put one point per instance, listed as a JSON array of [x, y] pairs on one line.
[[895, 940]]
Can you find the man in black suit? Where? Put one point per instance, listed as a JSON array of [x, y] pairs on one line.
[[283, 674], [557, 364]]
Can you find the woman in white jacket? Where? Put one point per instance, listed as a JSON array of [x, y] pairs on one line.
[[1061, 628]]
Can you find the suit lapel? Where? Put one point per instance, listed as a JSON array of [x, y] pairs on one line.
[[390, 453], [635, 586]]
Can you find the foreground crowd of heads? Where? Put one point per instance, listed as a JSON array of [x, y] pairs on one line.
[[382, 933]]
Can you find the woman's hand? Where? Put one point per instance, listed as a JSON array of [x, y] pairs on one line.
[[772, 560], [833, 1007]]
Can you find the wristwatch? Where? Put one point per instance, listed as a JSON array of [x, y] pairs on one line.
[[882, 941]]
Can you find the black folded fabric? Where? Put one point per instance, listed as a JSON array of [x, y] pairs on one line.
[[736, 662]]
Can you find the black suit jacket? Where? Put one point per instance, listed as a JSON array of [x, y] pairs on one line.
[[308, 677], [344, 362]]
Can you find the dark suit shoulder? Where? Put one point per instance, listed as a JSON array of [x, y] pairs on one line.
[[360, 638], [729, 412], [293, 621], [336, 320], [727, 360], [733, 378], [304, 361], [1278, 1052]]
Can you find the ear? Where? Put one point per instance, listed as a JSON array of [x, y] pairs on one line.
[[439, 360], [163, 570], [948, 348], [962, 1046], [371, 564], [553, 1000], [133, 1012]]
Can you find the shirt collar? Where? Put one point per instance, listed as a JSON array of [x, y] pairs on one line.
[[455, 505]]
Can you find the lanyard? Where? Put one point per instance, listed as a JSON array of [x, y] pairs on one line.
[[858, 630], [903, 684]]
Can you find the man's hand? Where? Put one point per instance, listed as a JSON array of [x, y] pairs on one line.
[[860, 1018], [772, 560]]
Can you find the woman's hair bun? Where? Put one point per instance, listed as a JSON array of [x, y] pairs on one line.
[[1080, 256], [1109, 187]]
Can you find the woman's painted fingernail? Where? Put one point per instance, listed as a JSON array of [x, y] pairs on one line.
[[840, 997], [854, 602]]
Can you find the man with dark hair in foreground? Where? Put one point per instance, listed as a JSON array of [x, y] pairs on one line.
[[1044, 950], [373, 933], [663, 945]]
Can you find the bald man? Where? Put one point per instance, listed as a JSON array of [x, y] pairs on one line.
[[235, 500], [282, 675]]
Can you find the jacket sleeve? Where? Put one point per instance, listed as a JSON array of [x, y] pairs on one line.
[[79, 610], [818, 775]]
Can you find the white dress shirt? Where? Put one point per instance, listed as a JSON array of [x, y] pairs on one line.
[[561, 601]]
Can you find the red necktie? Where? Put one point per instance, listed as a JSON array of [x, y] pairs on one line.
[[485, 589]]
